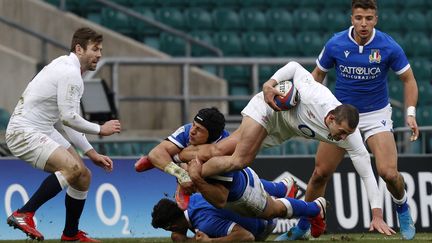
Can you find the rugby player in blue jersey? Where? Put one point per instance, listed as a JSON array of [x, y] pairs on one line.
[[207, 222], [362, 57], [207, 128]]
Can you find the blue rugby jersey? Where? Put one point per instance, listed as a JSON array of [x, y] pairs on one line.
[[361, 71], [219, 222], [181, 136]]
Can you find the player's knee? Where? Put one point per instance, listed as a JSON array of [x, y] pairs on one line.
[[389, 176], [320, 177], [74, 172]]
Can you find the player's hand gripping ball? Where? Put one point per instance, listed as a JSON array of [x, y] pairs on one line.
[[290, 97]]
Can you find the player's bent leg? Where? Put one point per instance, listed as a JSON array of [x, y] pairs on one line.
[[252, 134], [384, 149]]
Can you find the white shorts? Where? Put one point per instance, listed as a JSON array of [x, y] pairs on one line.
[[254, 199], [34, 147], [273, 122], [375, 122]]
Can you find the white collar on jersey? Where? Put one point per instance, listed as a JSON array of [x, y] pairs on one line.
[[350, 31], [75, 60]]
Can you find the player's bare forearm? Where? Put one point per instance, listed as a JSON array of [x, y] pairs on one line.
[[318, 75], [217, 165], [216, 194]]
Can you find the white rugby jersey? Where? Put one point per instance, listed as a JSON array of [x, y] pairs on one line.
[[307, 120], [53, 94]]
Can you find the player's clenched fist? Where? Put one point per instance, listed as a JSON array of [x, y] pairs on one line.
[[110, 127]]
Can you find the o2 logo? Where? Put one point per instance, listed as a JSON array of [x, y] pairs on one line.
[[109, 188], [104, 188]]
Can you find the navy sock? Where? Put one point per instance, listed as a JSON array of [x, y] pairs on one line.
[[49, 188], [275, 189], [400, 208], [303, 223], [74, 208], [302, 208]]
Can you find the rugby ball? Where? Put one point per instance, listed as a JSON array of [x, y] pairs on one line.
[[290, 97]]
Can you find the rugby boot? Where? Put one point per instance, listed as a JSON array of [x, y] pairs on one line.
[[318, 224], [80, 236], [24, 222]]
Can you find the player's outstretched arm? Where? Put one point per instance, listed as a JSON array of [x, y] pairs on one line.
[[216, 194]]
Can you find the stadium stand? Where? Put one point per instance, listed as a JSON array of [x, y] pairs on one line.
[[260, 28]]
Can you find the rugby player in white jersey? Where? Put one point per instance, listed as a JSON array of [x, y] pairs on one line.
[[52, 99], [318, 115]]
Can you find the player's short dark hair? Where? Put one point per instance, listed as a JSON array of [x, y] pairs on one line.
[[364, 4], [213, 120], [83, 36], [165, 213], [347, 113]]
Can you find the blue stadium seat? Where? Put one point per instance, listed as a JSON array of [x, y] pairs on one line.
[[342, 5], [389, 20], [253, 19], [198, 19], [175, 3], [421, 68], [235, 107], [295, 147], [171, 16], [276, 150], [279, 19], [398, 117], [229, 43], [172, 45], [145, 3], [238, 75], [417, 44], [207, 4], [261, 4], [205, 37], [413, 20], [266, 72], [4, 119], [228, 3], [424, 93], [142, 28], [116, 20], [311, 4], [283, 44], [424, 115], [309, 43], [286, 4], [334, 20], [255, 44], [306, 20], [396, 90], [415, 4], [388, 5], [428, 17], [226, 19]]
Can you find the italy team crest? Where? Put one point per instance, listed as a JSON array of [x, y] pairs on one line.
[[375, 56]]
